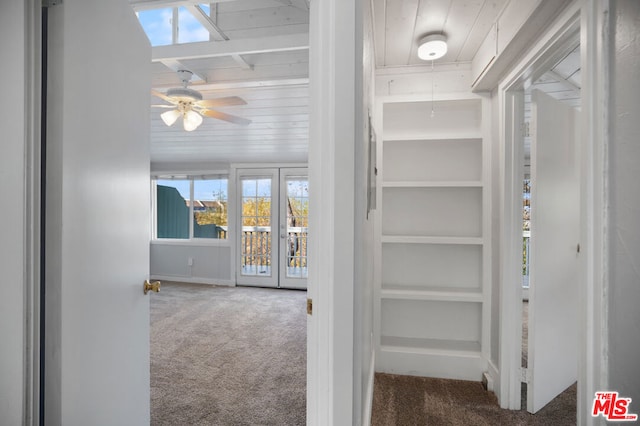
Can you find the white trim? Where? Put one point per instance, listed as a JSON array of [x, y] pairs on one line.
[[368, 402], [512, 158], [539, 57], [194, 280], [487, 229], [330, 331], [595, 53], [427, 97], [239, 166], [32, 190], [494, 375]]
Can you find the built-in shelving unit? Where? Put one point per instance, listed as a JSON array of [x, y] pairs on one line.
[[432, 292]]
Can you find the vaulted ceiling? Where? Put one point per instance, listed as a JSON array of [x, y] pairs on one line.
[[259, 50]]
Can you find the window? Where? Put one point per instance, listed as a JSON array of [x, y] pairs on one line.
[[171, 25], [192, 207], [210, 201]]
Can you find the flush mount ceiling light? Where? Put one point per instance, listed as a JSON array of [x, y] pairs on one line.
[[432, 47]]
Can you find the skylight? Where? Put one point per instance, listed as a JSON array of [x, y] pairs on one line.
[[158, 24]]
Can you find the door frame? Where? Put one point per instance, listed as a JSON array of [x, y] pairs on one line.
[[285, 282], [590, 18], [330, 345], [274, 174], [23, 388], [510, 93]]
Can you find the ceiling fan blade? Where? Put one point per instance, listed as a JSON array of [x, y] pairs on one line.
[[163, 106], [226, 117], [228, 101], [163, 96]]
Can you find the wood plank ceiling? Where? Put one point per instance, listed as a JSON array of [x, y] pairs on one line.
[[400, 24], [258, 50]]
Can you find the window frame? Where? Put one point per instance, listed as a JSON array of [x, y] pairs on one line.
[[192, 241]]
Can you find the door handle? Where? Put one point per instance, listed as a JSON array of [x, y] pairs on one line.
[[154, 286]]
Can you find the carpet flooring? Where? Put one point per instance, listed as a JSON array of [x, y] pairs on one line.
[[408, 400], [228, 356]]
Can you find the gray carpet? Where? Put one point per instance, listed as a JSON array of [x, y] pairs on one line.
[[227, 356], [406, 400]]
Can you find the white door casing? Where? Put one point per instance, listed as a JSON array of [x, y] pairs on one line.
[[555, 226], [98, 222]]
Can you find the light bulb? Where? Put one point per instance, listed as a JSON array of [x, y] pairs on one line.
[[191, 120], [170, 117]]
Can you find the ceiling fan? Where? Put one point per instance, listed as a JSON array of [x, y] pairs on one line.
[[189, 104]]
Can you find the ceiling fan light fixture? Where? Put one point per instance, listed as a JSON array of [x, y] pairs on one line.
[[432, 47], [191, 120], [170, 117]]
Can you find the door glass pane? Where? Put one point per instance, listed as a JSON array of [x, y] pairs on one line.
[[256, 227], [297, 222]]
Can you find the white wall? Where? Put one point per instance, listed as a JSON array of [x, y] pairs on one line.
[[624, 199], [13, 134], [364, 226], [449, 78], [210, 264]]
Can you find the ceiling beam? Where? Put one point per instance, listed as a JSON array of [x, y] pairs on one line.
[[211, 49], [566, 83], [138, 5], [215, 31], [253, 84]]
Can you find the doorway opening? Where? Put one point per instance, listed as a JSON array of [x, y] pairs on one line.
[[550, 228], [273, 211]]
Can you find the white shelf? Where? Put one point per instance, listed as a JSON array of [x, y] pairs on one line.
[[433, 184], [402, 239], [432, 239], [465, 364], [429, 346], [433, 294]]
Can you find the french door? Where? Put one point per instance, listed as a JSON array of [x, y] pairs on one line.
[[273, 206]]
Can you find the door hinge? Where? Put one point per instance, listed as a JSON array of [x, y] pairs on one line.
[[50, 3], [309, 306]]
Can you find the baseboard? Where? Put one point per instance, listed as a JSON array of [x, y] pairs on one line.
[[494, 379], [368, 405], [194, 280]]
